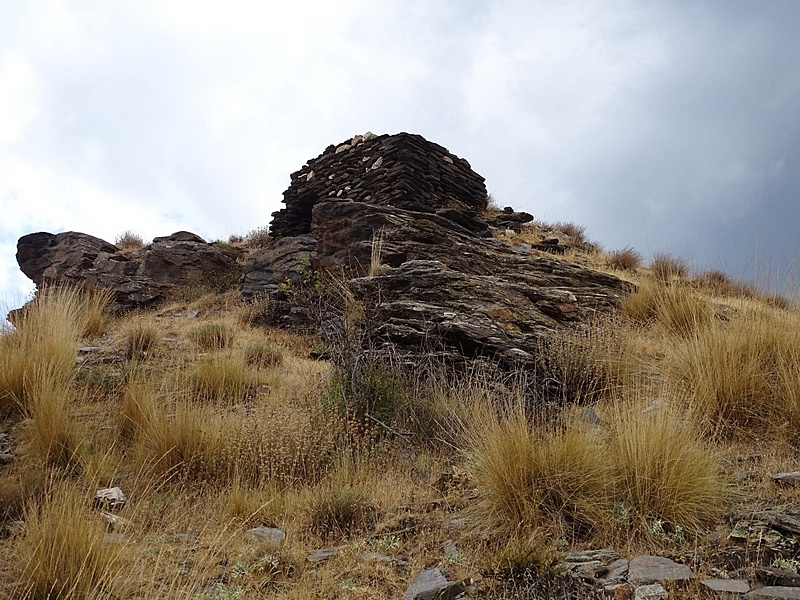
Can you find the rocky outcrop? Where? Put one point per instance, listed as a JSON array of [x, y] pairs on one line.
[[143, 279], [402, 221]]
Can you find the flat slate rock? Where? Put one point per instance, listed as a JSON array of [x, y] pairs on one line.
[[265, 534], [775, 592], [792, 478], [727, 588], [654, 569], [650, 592], [322, 554], [431, 584]]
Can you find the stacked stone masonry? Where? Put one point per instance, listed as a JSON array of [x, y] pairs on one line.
[[404, 171]]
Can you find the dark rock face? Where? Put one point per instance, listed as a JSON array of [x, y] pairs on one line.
[[443, 279], [143, 280]]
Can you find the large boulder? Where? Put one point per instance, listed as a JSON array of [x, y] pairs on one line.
[[443, 279], [143, 279]]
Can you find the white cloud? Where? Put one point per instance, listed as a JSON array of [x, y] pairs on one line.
[[18, 98]]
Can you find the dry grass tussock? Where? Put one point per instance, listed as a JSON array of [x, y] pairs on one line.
[[664, 474], [41, 347], [579, 481], [129, 241], [627, 259], [62, 553], [665, 267], [744, 375], [673, 306]]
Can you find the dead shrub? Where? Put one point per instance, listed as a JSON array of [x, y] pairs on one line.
[[258, 238], [128, 241], [626, 259], [665, 267]]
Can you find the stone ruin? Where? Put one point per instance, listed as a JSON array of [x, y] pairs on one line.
[[445, 281], [403, 171]]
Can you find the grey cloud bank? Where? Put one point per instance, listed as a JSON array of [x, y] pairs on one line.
[[667, 127]]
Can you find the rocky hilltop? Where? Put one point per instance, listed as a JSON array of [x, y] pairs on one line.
[[401, 221], [444, 279]]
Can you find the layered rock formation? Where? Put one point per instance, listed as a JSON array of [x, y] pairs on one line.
[[142, 280], [444, 281]]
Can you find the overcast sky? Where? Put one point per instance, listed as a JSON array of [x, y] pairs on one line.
[[666, 126]]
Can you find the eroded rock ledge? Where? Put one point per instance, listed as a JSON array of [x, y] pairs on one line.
[[140, 280]]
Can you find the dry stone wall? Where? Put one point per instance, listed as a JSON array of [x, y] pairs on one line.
[[404, 171]]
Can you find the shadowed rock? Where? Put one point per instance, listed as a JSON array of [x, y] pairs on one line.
[[140, 280]]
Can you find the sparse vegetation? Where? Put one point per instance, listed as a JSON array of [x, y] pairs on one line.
[[675, 307], [630, 435], [257, 238], [141, 340], [128, 241], [577, 233]]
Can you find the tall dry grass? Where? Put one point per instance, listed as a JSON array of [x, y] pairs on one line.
[[51, 436], [678, 308], [203, 444], [62, 554], [613, 481], [662, 471], [219, 378], [743, 375], [532, 477], [376, 252], [42, 345]]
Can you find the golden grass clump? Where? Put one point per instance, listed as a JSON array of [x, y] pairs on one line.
[[376, 252], [219, 378], [201, 444], [577, 233], [263, 354], [256, 311], [340, 509], [41, 347], [675, 306], [741, 376], [258, 238], [212, 336], [140, 341], [62, 554], [663, 473], [720, 283], [665, 267], [51, 435], [139, 411], [627, 259], [129, 241], [535, 477]]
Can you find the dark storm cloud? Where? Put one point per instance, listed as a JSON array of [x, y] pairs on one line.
[[699, 157]]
